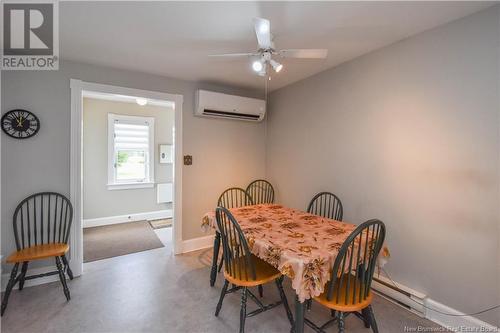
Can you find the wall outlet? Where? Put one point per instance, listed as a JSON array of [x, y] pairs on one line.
[[188, 159]]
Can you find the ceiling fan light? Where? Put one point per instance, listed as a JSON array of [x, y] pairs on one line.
[[263, 71], [264, 27], [257, 66], [141, 101], [276, 66]]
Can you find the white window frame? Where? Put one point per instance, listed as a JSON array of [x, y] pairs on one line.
[[113, 184]]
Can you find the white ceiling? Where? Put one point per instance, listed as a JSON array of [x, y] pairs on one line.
[[174, 39]]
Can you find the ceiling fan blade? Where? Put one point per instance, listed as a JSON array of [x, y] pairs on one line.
[[304, 53], [234, 55], [263, 32]]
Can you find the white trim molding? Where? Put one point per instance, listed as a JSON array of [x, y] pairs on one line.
[[129, 186], [159, 214], [149, 148], [79, 89], [197, 243], [460, 323], [76, 188]]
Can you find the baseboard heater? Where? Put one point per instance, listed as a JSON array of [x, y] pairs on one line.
[[408, 298]]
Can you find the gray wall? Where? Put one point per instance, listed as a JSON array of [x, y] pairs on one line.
[[225, 153], [408, 134], [95, 160]]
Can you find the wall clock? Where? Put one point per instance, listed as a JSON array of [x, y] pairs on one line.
[[20, 124]]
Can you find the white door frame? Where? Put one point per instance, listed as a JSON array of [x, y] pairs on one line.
[[76, 160]]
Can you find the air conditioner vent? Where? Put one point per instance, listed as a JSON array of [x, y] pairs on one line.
[[235, 115], [217, 105]]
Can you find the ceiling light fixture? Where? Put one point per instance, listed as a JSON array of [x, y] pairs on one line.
[[276, 65], [263, 72], [257, 66], [141, 101], [264, 26]]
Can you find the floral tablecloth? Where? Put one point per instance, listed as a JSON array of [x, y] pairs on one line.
[[300, 245]]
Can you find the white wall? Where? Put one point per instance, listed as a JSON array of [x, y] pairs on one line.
[[225, 153], [95, 160], [408, 134]]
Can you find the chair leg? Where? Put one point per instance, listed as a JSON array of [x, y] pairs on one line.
[[221, 298], [279, 284], [261, 291], [341, 322], [10, 285], [366, 317], [243, 310], [213, 270], [66, 267], [24, 269], [220, 265], [373, 322], [62, 277]]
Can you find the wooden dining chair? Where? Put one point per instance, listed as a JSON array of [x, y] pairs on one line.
[[326, 204], [349, 292], [261, 191], [234, 197], [244, 270], [230, 198], [42, 224]]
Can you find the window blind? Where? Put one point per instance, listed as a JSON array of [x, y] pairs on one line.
[[131, 136]]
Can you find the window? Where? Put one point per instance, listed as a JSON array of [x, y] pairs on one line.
[[130, 152]]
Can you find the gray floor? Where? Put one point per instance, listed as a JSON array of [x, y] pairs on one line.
[[154, 291]]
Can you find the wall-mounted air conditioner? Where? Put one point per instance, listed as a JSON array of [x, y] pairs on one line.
[[217, 105]]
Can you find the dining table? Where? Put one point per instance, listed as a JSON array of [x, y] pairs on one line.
[[302, 246]]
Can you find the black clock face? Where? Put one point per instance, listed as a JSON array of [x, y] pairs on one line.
[[20, 124]]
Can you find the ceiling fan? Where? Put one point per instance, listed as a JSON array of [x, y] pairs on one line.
[[266, 54]]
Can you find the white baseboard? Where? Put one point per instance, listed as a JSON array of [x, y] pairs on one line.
[[159, 214], [197, 243], [34, 282], [454, 323]]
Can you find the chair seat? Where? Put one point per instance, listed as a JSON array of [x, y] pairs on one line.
[[264, 273], [38, 252], [352, 303]]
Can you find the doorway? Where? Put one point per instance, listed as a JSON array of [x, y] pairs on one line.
[[125, 181]]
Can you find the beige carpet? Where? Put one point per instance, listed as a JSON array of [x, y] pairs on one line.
[[118, 239], [162, 223]]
